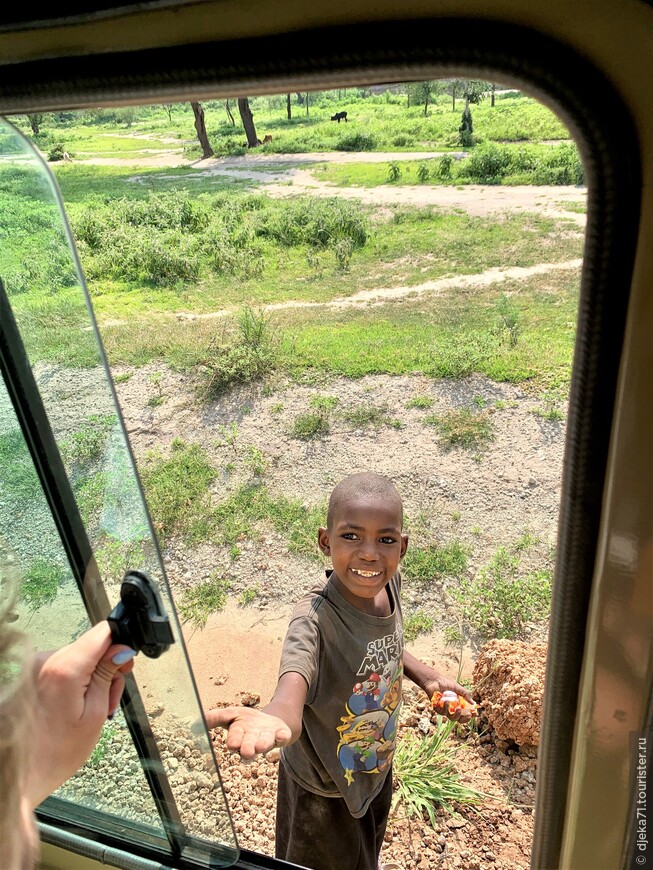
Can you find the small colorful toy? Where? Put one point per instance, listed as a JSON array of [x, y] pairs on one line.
[[455, 702]]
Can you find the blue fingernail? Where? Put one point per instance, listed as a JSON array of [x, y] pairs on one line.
[[123, 657]]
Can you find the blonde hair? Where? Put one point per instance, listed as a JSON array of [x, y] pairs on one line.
[[18, 837]]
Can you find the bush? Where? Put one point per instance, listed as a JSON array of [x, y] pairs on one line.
[[500, 600], [394, 171], [423, 172], [314, 222], [307, 426], [356, 142], [247, 358], [445, 165], [56, 152], [488, 164]]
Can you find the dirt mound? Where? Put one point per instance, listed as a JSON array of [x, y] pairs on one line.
[[509, 678]]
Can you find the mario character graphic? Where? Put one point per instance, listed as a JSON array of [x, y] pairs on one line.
[[366, 696], [369, 727]]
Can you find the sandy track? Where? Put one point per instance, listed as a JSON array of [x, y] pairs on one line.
[[287, 177]]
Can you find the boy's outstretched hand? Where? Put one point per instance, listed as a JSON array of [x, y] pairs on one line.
[[251, 731]]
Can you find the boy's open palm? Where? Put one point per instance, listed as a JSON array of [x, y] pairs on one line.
[[251, 731]]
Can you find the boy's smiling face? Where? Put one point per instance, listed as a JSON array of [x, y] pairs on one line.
[[366, 544]]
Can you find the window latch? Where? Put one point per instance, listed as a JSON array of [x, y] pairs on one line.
[[139, 619]]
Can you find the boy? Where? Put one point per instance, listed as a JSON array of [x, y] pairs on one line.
[[336, 706]]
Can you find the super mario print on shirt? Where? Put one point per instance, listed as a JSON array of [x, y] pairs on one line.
[[369, 727]]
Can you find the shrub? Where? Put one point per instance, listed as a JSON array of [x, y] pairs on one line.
[[445, 165], [423, 172], [394, 171], [488, 164], [314, 222], [248, 357], [500, 600], [356, 142], [56, 152], [343, 249]]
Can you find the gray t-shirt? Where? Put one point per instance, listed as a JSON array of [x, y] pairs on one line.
[[353, 664]]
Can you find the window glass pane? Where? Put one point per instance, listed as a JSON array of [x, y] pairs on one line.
[[43, 283]]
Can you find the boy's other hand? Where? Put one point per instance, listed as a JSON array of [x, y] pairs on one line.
[[251, 731], [440, 683]]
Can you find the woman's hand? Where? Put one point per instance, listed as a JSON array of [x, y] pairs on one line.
[[77, 688]]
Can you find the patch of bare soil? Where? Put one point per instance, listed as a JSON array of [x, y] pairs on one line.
[[486, 498]]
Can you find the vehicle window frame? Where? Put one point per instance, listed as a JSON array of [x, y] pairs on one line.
[[603, 128]]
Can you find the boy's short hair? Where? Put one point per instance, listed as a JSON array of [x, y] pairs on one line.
[[361, 485]]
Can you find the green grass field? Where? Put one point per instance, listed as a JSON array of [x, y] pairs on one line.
[[386, 121]]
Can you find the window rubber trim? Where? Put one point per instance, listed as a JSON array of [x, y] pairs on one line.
[[409, 50]]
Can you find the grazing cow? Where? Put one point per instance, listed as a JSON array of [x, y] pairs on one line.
[[339, 116]]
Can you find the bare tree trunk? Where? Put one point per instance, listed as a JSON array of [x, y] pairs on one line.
[[307, 101], [453, 98], [288, 107], [168, 108], [494, 87], [248, 122], [200, 127], [229, 114]]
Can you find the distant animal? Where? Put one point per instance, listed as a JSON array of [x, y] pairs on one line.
[[267, 138], [66, 157], [339, 116]]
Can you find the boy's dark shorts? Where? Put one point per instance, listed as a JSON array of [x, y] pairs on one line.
[[320, 832]]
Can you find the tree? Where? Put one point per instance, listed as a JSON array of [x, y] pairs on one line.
[[453, 87], [474, 90], [35, 122], [230, 113], [288, 107], [168, 109], [494, 88], [423, 92], [248, 122], [471, 90], [466, 128], [200, 127]]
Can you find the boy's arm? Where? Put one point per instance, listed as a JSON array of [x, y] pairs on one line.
[[431, 681], [279, 723]]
